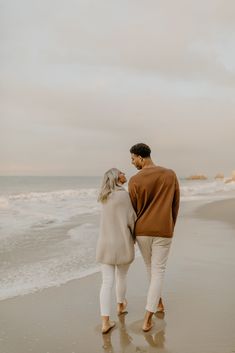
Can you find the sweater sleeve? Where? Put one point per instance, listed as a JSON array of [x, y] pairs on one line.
[[131, 220], [176, 201]]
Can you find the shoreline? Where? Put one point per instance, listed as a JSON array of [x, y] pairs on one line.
[[66, 318], [219, 210], [58, 238]]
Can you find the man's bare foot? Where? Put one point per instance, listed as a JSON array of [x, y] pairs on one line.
[[147, 327], [121, 308], [147, 321], [106, 327], [160, 307]]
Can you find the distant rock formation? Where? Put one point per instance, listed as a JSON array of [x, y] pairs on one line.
[[196, 177], [232, 178], [219, 176]]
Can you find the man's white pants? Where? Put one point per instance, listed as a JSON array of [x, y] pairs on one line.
[[155, 251], [108, 277]]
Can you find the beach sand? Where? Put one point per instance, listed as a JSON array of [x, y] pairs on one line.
[[199, 297]]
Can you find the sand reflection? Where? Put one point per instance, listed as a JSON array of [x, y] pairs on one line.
[[130, 338]]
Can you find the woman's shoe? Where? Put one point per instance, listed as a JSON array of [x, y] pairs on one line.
[[108, 328]]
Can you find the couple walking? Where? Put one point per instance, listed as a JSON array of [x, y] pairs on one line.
[[147, 215]]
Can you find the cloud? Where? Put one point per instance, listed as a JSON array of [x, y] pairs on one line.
[[83, 80]]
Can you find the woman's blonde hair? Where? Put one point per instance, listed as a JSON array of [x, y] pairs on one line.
[[109, 184]]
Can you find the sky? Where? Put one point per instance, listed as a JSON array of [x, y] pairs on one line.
[[82, 81]]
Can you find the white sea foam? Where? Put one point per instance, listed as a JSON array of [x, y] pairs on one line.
[[70, 257], [22, 211], [37, 276], [61, 195], [193, 190]]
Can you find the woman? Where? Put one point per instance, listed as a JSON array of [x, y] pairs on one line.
[[115, 247]]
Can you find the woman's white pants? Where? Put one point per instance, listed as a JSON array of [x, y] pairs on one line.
[[109, 273]]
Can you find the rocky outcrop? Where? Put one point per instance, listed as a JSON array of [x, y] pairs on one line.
[[232, 179], [219, 176], [196, 177]]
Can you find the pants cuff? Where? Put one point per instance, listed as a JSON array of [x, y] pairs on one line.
[[152, 310]]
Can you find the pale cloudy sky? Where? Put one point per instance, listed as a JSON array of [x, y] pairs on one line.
[[81, 81]]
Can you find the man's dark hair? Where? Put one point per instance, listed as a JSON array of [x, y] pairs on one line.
[[141, 149]]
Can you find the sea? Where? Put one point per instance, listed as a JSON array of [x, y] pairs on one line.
[[49, 227]]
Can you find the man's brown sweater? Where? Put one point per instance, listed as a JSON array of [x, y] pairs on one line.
[[155, 195]]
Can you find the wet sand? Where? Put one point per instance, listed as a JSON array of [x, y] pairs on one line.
[[199, 298], [223, 210]]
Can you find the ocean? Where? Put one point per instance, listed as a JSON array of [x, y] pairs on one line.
[[49, 228]]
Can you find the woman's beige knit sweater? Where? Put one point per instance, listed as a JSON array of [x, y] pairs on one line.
[[115, 245]]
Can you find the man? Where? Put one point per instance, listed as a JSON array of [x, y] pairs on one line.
[[154, 193]]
